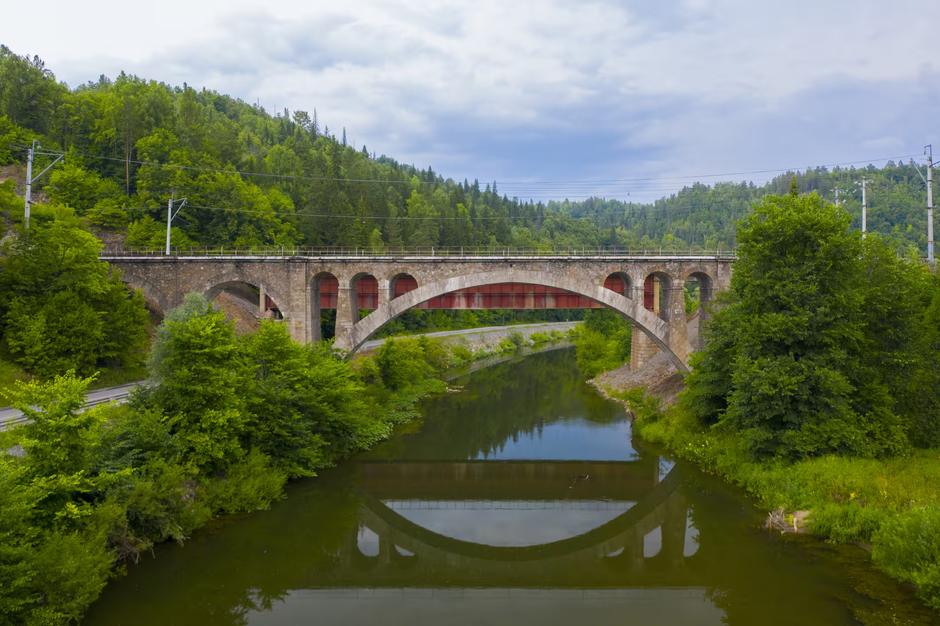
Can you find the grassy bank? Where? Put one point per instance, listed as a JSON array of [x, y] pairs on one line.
[[889, 505]]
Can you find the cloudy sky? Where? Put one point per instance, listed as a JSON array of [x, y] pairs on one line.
[[550, 98]]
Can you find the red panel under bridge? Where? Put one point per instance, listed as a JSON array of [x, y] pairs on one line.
[[496, 296]]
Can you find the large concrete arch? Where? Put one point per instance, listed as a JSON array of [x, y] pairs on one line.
[[658, 330]]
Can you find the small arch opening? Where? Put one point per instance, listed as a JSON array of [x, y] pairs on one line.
[[619, 282], [404, 553], [323, 297], [615, 553], [365, 295], [697, 292], [656, 291], [402, 284]]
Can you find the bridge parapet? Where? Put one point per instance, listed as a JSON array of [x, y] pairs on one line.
[[293, 283]]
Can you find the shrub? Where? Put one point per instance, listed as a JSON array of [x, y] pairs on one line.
[[249, 485], [907, 546], [402, 363]]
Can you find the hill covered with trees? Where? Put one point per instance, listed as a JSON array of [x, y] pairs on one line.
[[256, 179]]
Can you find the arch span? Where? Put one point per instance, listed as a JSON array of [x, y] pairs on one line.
[[650, 323], [244, 289]]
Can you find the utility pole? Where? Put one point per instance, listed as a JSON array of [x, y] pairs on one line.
[[170, 214], [864, 208], [837, 196], [928, 150], [30, 179], [29, 184]]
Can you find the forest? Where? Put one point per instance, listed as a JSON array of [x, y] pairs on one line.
[[256, 179]]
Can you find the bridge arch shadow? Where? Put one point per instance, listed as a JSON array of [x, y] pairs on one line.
[[651, 324]]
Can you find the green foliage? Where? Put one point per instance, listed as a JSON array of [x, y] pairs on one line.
[[148, 234], [306, 406], [797, 359], [908, 547], [161, 501], [46, 522], [81, 189], [402, 363], [603, 342], [199, 371], [517, 340], [12, 136], [63, 308], [10, 203], [920, 401], [59, 439], [249, 485], [29, 94], [229, 420]]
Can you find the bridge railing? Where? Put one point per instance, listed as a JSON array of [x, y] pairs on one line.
[[442, 252]]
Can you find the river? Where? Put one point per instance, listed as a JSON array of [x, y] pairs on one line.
[[522, 499]]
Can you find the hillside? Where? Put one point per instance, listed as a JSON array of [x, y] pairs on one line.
[[256, 179]]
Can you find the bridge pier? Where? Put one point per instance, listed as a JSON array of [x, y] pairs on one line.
[[678, 326], [299, 302], [347, 310], [642, 348]]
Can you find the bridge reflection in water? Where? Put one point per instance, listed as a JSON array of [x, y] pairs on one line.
[[484, 524], [464, 543]]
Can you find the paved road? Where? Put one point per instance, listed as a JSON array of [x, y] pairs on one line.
[[526, 329], [11, 417]]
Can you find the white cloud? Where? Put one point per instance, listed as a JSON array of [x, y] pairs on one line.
[[650, 83]]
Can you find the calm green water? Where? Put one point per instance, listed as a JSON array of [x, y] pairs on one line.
[[520, 500]]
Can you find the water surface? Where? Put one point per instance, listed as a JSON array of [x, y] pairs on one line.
[[520, 500]]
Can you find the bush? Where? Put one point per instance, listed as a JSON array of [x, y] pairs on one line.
[[518, 341], [402, 363], [817, 328], [249, 485], [64, 309], [602, 343]]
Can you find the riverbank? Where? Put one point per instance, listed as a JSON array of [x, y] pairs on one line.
[[889, 506], [231, 419]]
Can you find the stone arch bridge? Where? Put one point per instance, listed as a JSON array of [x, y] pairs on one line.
[[369, 291]]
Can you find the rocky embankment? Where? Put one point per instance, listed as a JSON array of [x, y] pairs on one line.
[[658, 377]]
